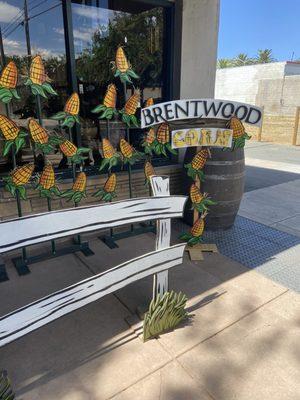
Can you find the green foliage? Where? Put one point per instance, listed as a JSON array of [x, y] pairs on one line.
[[190, 239], [76, 196], [262, 57], [164, 314], [104, 195], [193, 173], [6, 392], [240, 142]]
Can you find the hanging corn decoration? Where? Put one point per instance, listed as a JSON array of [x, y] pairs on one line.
[[148, 171], [78, 189], [122, 68], [162, 143], [200, 201], [129, 110], [46, 183], [38, 79], [17, 179], [239, 134], [8, 83], [149, 102], [74, 154], [111, 157], [12, 133], [149, 141], [196, 165], [39, 135], [108, 192], [70, 114], [196, 232], [108, 107], [130, 155]]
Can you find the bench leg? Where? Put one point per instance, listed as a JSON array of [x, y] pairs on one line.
[[21, 266], [3, 274]]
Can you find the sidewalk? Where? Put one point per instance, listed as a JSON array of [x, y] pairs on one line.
[[242, 342]]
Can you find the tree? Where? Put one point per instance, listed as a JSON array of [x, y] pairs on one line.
[[264, 56], [224, 63], [242, 59]]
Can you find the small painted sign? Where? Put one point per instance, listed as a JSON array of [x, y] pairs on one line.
[[215, 137], [200, 108]]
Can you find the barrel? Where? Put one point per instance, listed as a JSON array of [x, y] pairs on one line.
[[224, 182]]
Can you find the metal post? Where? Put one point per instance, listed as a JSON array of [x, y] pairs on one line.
[[261, 126], [2, 49], [26, 27], [296, 126]]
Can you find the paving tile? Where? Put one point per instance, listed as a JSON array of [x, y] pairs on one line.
[[256, 358]]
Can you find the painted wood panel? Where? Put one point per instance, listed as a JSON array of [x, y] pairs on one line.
[[49, 308], [43, 227]]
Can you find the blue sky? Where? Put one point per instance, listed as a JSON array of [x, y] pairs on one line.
[[248, 25]]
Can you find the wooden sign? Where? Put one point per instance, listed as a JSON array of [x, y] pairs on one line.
[[200, 108], [214, 137]]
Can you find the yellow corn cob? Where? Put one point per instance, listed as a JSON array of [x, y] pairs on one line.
[[163, 133], [68, 148], [72, 104], [126, 149], [150, 137], [108, 150], [37, 72], [21, 175], [9, 76], [199, 159], [198, 227], [110, 98], [47, 179], [9, 128], [111, 183], [80, 183], [121, 60], [149, 102], [237, 127], [149, 170], [195, 195], [37, 132], [132, 103]]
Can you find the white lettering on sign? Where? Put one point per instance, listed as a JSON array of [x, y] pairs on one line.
[[215, 137], [200, 108]]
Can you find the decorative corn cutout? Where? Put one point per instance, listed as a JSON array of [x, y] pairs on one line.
[[130, 155], [74, 154], [46, 183], [40, 137], [149, 171], [71, 110], [108, 192], [8, 83], [162, 143], [196, 232], [149, 141], [111, 157], [108, 108], [129, 110], [149, 102], [122, 67], [17, 179], [12, 134], [200, 201], [195, 167], [78, 189], [38, 79], [239, 134]]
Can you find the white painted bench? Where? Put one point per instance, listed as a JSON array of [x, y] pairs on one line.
[[39, 228]]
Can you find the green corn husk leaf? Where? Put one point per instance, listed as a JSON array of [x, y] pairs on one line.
[[98, 109], [22, 192], [7, 146], [6, 392], [69, 121], [15, 94], [164, 314], [38, 90], [20, 142], [59, 116], [49, 89], [132, 74]]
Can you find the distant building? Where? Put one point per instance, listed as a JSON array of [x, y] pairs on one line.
[[276, 86]]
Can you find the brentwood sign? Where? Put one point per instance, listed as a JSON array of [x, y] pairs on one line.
[[200, 108]]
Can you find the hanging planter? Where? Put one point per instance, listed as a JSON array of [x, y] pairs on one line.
[[13, 135], [38, 79], [46, 183], [17, 180], [39, 135], [78, 191], [108, 108], [108, 192], [8, 83], [122, 68]]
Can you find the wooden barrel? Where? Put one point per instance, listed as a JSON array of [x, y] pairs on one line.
[[224, 181]]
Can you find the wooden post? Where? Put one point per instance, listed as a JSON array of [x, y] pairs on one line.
[[296, 126], [261, 126]]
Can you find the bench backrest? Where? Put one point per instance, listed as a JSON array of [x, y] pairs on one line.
[[52, 225]]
